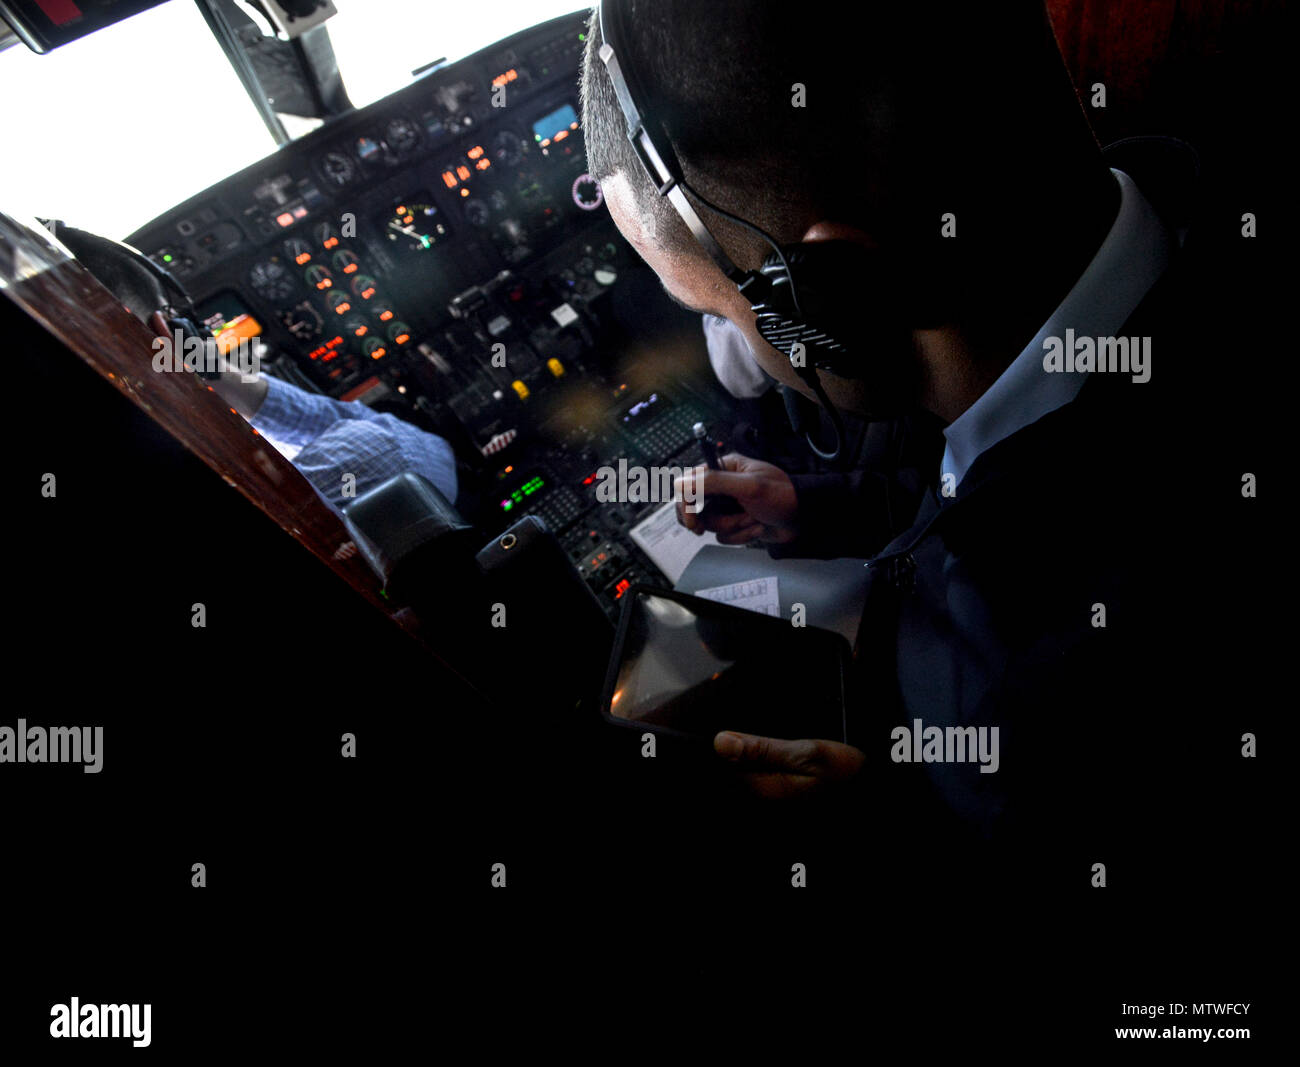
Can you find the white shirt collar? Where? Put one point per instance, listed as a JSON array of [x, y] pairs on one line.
[[1134, 254]]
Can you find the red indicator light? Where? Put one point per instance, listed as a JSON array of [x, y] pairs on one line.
[[360, 390], [623, 586], [449, 179], [339, 309], [483, 163], [384, 316], [303, 259], [361, 331], [366, 294], [284, 219], [351, 268], [401, 338], [475, 152], [379, 353], [332, 242], [462, 172]]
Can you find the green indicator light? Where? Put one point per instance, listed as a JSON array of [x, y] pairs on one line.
[[507, 506], [582, 37], [167, 259]]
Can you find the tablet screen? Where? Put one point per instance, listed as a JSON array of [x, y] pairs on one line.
[[693, 666]]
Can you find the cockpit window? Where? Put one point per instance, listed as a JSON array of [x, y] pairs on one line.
[[380, 42], [110, 129]]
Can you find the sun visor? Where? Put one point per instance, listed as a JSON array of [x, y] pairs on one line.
[[44, 25]]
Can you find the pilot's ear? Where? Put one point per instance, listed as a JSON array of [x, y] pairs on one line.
[[825, 230]]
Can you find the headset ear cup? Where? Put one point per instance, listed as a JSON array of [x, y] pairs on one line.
[[847, 305]]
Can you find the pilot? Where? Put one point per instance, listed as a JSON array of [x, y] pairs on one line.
[[327, 439], [1027, 589]]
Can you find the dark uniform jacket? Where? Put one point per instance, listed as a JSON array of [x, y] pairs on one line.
[[1061, 598]]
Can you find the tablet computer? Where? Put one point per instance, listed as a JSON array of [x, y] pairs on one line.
[[689, 667]]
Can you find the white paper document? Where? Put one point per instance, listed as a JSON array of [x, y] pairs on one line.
[[755, 594], [668, 543]]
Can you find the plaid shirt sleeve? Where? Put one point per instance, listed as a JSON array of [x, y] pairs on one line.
[[338, 438]]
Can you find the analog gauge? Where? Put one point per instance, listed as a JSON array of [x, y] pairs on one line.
[[402, 136], [346, 262], [298, 250], [338, 169], [507, 148], [303, 321], [326, 236], [271, 279], [339, 303], [364, 287], [374, 348], [476, 212], [415, 225], [319, 278], [586, 192], [368, 149]]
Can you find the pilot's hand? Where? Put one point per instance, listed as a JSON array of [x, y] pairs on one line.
[[764, 492], [780, 769]]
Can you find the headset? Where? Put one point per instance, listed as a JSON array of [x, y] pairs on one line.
[[804, 296]]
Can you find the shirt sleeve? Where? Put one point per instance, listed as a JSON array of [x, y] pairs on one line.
[[297, 417], [338, 438], [851, 515], [855, 514]]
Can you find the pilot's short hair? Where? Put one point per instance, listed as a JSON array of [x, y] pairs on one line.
[[891, 92]]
